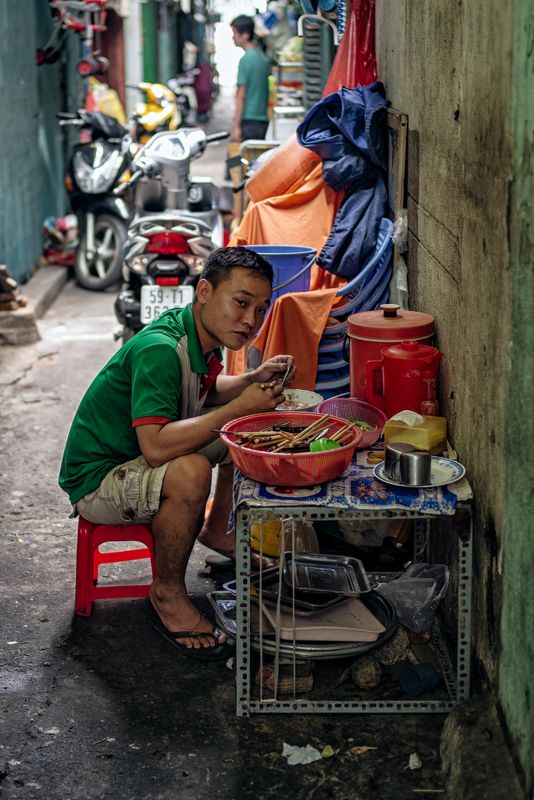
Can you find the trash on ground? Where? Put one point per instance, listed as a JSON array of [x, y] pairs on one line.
[[359, 750], [300, 755], [328, 751], [414, 762]]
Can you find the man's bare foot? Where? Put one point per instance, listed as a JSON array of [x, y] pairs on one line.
[[177, 613], [222, 543]]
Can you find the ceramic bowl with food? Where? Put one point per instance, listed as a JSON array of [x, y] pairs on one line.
[[299, 400]]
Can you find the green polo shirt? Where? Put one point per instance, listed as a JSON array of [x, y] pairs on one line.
[[253, 74], [141, 384]]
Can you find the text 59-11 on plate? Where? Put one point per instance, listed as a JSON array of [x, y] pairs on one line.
[[157, 299]]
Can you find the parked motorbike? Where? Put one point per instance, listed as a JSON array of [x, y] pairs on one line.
[[96, 167], [183, 87], [177, 224], [158, 111]]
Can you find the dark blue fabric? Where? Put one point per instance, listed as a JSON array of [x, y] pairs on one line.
[[348, 129]]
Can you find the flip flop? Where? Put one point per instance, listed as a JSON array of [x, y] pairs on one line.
[[219, 652], [219, 561]]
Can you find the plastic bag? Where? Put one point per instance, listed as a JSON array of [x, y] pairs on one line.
[[400, 230], [398, 285], [416, 594]]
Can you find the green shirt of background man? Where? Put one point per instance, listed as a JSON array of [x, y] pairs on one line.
[[141, 383], [253, 74]]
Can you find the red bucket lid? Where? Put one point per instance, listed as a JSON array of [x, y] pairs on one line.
[[390, 324]]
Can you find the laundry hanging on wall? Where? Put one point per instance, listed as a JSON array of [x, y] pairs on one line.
[[348, 130]]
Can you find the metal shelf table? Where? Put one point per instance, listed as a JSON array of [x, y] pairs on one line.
[[456, 676]]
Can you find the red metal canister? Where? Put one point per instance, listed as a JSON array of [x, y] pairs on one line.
[[370, 331]]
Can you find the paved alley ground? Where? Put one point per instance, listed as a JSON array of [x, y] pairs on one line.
[[102, 707]]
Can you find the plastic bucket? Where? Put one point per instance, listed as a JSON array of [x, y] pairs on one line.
[[291, 266]]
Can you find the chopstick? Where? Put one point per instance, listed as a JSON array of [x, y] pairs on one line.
[[307, 433], [286, 373], [342, 433], [251, 433], [274, 441]]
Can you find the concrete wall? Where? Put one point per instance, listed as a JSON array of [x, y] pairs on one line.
[[444, 66]]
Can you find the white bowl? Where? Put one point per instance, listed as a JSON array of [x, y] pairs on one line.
[[299, 400]]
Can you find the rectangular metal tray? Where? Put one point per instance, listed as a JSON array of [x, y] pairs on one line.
[[224, 605], [306, 604], [313, 572]]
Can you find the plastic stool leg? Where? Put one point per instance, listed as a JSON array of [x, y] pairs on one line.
[[83, 604]]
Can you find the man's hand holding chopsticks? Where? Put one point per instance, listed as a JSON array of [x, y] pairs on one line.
[[278, 368]]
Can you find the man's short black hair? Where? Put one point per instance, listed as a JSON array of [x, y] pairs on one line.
[[221, 262], [244, 24]]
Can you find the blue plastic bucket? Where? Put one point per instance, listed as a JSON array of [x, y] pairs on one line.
[[291, 266]]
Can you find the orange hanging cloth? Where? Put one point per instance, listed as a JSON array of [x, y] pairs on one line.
[[292, 205], [294, 326]]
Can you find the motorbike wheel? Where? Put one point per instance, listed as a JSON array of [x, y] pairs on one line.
[[105, 268]]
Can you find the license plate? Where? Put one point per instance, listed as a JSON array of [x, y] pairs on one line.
[[157, 299]]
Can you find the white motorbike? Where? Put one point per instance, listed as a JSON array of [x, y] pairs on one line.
[[176, 225]]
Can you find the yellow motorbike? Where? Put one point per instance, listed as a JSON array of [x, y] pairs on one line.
[[158, 112]]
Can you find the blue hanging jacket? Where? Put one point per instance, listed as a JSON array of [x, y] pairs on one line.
[[348, 129]]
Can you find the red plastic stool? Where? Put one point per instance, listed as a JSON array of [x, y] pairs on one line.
[[89, 557]]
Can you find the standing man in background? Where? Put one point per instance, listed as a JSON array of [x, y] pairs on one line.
[[252, 92]]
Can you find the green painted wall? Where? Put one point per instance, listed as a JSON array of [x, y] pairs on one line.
[[32, 159], [516, 668], [167, 44], [150, 42]]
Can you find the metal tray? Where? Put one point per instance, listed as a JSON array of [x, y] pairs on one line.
[[313, 572], [306, 604], [224, 604]]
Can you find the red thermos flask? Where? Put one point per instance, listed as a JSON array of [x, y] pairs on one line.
[[369, 332], [397, 380]]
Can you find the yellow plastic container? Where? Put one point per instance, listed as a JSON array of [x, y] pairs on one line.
[[265, 535], [430, 435]]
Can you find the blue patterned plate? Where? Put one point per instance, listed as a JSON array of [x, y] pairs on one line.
[[442, 472]]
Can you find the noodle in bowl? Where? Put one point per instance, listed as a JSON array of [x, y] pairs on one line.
[[299, 400]]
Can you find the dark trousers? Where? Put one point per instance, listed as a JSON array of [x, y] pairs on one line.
[[253, 129]]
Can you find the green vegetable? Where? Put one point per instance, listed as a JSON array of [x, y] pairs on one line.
[[359, 423]]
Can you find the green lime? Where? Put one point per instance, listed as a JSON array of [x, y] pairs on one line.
[[323, 444]]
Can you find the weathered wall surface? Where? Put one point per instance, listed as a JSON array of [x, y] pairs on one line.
[[516, 688], [441, 66], [444, 66]]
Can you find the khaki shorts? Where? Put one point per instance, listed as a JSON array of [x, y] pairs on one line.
[[131, 492]]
